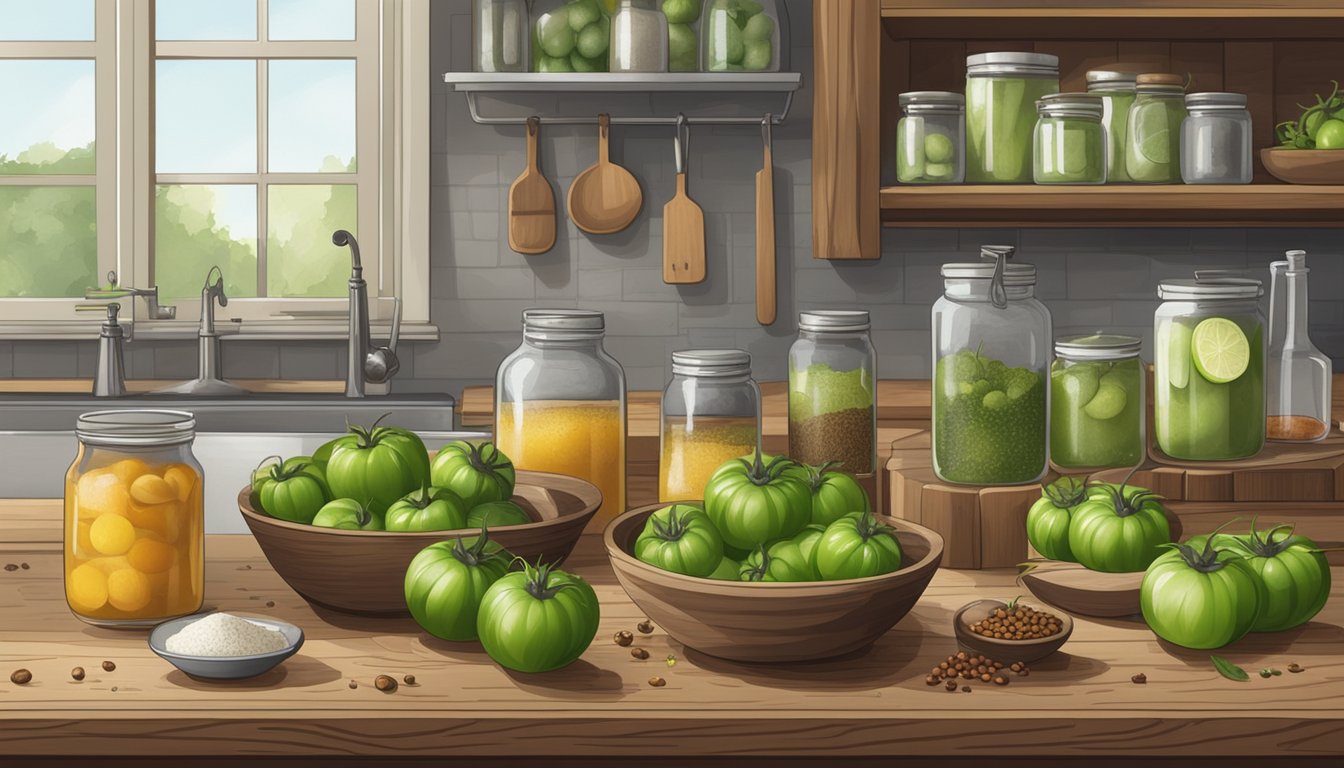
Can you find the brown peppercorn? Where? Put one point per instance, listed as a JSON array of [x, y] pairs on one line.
[[645, 627], [385, 683], [11, 567], [965, 689], [1024, 672], [20, 677], [353, 683], [408, 679], [951, 685], [1139, 679], [1016, 666], [24, 566], [1295, 667], [986, 677], [657, 682], [77, 673], [109, 666], [623, 638], [1000, 680], [270, 603], [114, 689], [931, 680], [639, 653]]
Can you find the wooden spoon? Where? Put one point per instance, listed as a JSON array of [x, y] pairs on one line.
[[531, 203], [765, 233], [683, 224], [604, 198]]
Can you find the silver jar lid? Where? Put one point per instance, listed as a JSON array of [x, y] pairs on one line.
[[562, 324], [136, 427], [711, 363], [1016, 63], [1215, 100], [936, 102], [1109, 80], [1206, 288], [1084, 105], [834, 321], [1098, 346]]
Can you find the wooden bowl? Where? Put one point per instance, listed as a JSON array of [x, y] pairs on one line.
[[364, 571], [1075, 589], [773, 622], [1007, 651], [1304, 166]]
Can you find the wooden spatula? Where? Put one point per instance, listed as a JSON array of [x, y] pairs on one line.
[[765, 233], [683, 223], [604, 198], [531, 203]]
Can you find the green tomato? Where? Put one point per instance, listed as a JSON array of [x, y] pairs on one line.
[[581, 64], [293, 490], [427, 509], [681, 11], [323, 453], [497, 514], [1122, 532], [680, 538], [348, 515], [1048, 519], [1330, 134], [857, 546], [759, 27], [683, 48], [757, 55], [1294, 572], [582, 13], [554, 34], [537, 620], [783, 561], [377, 466], [1202, 599], [752, 503], [554, 64], [446, 581], [478, 473], [727, 570], [834, 494]]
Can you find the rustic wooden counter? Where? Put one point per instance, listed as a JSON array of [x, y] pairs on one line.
[[874, 705]]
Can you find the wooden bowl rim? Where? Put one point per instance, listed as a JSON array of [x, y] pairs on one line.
[[1307, 153], [963, 628], [585, 491], [739, 588]]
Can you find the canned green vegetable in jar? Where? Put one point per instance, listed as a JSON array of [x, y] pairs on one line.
[[1153, 146], [1116, 90], [1001, 94], [931, 138], [1070, 145]]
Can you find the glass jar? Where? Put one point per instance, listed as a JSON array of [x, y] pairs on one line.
[[1209, 368], [1116, 90], [499, 37], [1297, 393], [570, 36], [931, 138], [1153, 140], [560, 404], [134, 519], [743, 36], [1096, 402], [683, 34], [1001, 94], [1070, 143], [991, 351], [711, 414], [639, 38], [1216, 139], [833, 391]]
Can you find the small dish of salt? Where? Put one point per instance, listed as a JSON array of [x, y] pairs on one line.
[[222, 646]]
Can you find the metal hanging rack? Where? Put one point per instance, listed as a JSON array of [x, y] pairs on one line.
[[477, 117]]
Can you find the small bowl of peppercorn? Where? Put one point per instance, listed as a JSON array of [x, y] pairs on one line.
[[1009, 630]]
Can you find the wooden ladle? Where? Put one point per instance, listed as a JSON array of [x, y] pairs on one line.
[[604, 198]]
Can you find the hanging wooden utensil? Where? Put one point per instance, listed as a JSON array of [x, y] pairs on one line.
[[683, 223], [605, 197], [531, 202], [765, 232]]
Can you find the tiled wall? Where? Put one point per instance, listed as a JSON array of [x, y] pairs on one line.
[[1090, 278]]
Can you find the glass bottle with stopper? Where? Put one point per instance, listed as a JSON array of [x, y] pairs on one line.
[[1298, 386]]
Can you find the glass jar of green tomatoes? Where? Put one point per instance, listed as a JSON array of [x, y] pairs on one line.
[[1153, 143], [1070, 145], [931, 138], [1002, 89], [1116, 90], [1096, 402], [570, 36]]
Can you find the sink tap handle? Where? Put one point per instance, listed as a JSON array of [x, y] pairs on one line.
[[110, 325], [150, 295], [341, 238]]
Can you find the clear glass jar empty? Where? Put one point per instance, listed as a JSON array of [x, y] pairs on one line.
[[1116, 90], [931, 138], [1216, 139], [1070, 143], [499, 36]]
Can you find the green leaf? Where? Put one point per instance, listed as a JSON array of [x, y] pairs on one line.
[[1229, 670]]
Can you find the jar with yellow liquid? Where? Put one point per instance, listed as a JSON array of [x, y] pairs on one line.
[[560, 404], [134, 519], [711, 414]]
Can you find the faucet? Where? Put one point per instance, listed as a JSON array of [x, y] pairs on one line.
[[208, 382], [110, 378], [365, 365]]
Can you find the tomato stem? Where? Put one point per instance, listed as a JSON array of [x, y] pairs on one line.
[[1067, 492], [476, 554], [539, 580]]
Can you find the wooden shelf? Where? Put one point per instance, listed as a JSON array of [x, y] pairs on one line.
[[1149, 9], [1252, 205]]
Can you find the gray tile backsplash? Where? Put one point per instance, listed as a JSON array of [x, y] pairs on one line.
[[1091, 278]]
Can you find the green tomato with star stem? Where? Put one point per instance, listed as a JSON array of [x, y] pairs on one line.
[[292, 490], [348, 515], [446, 582], [377, 465], [834, 494], [759, 501], [427, 509], [857, 546], [1201, 598], [1121, 530], [478, 472], [497, 514], [680, 538], [1293, 570], [537, 620], [1049, 518]]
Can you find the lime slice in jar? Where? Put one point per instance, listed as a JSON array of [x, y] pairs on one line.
[[1220, 350]]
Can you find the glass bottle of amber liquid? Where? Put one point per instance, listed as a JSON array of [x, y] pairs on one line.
[[134, 519], [711, 414], [560, 404]]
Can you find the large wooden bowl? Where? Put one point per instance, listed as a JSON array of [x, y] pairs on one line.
[[1304, 166], [364, 571], [773, 622]]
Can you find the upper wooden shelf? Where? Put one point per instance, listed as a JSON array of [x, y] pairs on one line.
[[1072, 9]]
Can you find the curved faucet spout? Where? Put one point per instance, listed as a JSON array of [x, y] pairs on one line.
[[341, 238]]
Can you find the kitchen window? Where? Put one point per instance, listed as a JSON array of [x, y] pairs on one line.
[[167, 137]]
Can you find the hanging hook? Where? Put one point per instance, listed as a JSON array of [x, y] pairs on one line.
[[683, 142], [533, 125], [766, 137]]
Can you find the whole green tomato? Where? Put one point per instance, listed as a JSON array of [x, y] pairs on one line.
[[538, 619], [291, 490], [478, 473], [1201, 598], [497, 514], [1048, 519], [834, 494], [788, 560], [755, 502], [377, 465], [857, 546], [1294, 572], [427, 509], [1120, 532], [680, 538], [348, 515], [446, 582]]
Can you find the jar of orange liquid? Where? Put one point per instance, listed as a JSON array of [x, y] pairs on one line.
[[560, 404], [711, 415], [134, 519]]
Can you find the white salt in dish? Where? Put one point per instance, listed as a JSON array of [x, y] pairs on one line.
[[224, 636]]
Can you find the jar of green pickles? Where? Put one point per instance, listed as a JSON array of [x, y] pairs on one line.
[[1096, 402], [1070, 144], [931, 138], [1116, 90], [1001, 93], [1153, 143]]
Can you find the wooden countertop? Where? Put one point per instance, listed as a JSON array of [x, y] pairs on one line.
[[1079, 704]]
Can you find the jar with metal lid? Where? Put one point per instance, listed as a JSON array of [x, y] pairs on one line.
[[833, 391], [1209, 368], [1070, 143], [570, 35], [1096, 402], [560, 404], [499, 37], [1001, 94], [1153, 143], [1216, 139], [711, 414], [1116, 90], [638, 38], [931, 138], [683, 34], [991, 353], [743, 35], [134, 519]]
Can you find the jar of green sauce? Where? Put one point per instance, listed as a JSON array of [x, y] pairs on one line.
[[1209, 368], [1153, 141], [1070, 143], [1096, 402], [1116, 90], [931, 138], [1001, 93]]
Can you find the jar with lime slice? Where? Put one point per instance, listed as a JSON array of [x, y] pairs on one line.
[[1116, 90], [931, 138], [1001, 93], [1070, 144], [1153, 146], [1096, 402], [1209, 368]]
